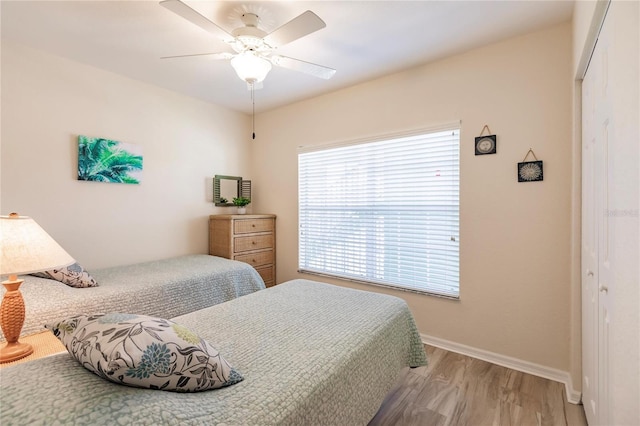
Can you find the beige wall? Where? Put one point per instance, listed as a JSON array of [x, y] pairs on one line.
[[515, 237], [47, 101]]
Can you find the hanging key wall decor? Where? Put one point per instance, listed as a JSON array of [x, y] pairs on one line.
[[530, 171], [486, 144]]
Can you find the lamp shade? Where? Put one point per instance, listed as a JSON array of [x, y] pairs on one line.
[[25, 247], [250, 67]]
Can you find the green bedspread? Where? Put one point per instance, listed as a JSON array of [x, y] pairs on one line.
[[166, 288], [310, 354]]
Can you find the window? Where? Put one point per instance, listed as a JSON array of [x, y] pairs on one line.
[[384, 212]]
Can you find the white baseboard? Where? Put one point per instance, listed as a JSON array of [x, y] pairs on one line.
[[573, 396]]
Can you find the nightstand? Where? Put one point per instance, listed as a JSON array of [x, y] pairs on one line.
[[44, 344]]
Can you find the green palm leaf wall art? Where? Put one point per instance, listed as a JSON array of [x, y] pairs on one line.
[[105, 160]]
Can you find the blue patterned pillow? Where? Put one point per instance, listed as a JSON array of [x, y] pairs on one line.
[[72, 275], [145, 352]]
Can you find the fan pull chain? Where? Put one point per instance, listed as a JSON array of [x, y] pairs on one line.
[[253, 112]]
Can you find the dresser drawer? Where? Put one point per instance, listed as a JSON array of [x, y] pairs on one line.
[[246, 226], [256, 259], [252, 242], [267, 274]]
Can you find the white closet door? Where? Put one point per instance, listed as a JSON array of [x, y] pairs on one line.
[[589, 252], [596, 266]]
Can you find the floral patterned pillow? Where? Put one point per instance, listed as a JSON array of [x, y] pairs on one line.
[[143, 351], [72, 275]]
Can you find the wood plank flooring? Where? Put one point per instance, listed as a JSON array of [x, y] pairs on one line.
[[458, 390]]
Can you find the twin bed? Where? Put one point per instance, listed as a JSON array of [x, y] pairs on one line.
[[310, 354], [164, 288]]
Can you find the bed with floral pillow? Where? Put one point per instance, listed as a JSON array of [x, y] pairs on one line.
[[302, 353], [164, 288]]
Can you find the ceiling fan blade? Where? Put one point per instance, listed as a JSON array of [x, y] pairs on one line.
[[214, 56], [179, 8], [300, 26], [302, 66]]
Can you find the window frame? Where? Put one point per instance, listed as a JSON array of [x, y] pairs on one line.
[[424, 134]]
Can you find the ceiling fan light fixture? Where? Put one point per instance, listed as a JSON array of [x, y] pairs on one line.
[[251, 67]]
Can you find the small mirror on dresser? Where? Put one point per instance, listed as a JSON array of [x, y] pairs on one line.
[[226, 188]]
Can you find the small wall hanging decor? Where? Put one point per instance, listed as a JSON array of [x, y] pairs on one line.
[[105, 160], [530, 171], [486, 144]]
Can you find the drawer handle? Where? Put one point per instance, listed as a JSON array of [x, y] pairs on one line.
[[253, 243], [253, 225]]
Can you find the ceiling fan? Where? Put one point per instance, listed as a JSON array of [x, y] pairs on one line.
[[254, 48]]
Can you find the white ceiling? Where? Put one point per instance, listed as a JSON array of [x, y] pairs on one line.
[[363, 40]]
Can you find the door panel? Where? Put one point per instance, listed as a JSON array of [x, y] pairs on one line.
[[589, 250], [596, 266]]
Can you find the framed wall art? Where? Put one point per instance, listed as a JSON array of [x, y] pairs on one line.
[[530, 171], [106, 160], [486, 144]]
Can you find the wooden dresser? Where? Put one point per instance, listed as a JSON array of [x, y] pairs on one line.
[[249, 238]]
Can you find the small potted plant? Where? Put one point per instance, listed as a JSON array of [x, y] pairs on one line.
[[241, 203]]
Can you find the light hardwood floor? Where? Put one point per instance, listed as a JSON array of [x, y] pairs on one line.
[[458, 390]]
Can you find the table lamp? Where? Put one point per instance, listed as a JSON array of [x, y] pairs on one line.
[[24, 248]]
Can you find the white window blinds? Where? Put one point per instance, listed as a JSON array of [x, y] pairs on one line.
[[383, 212]]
